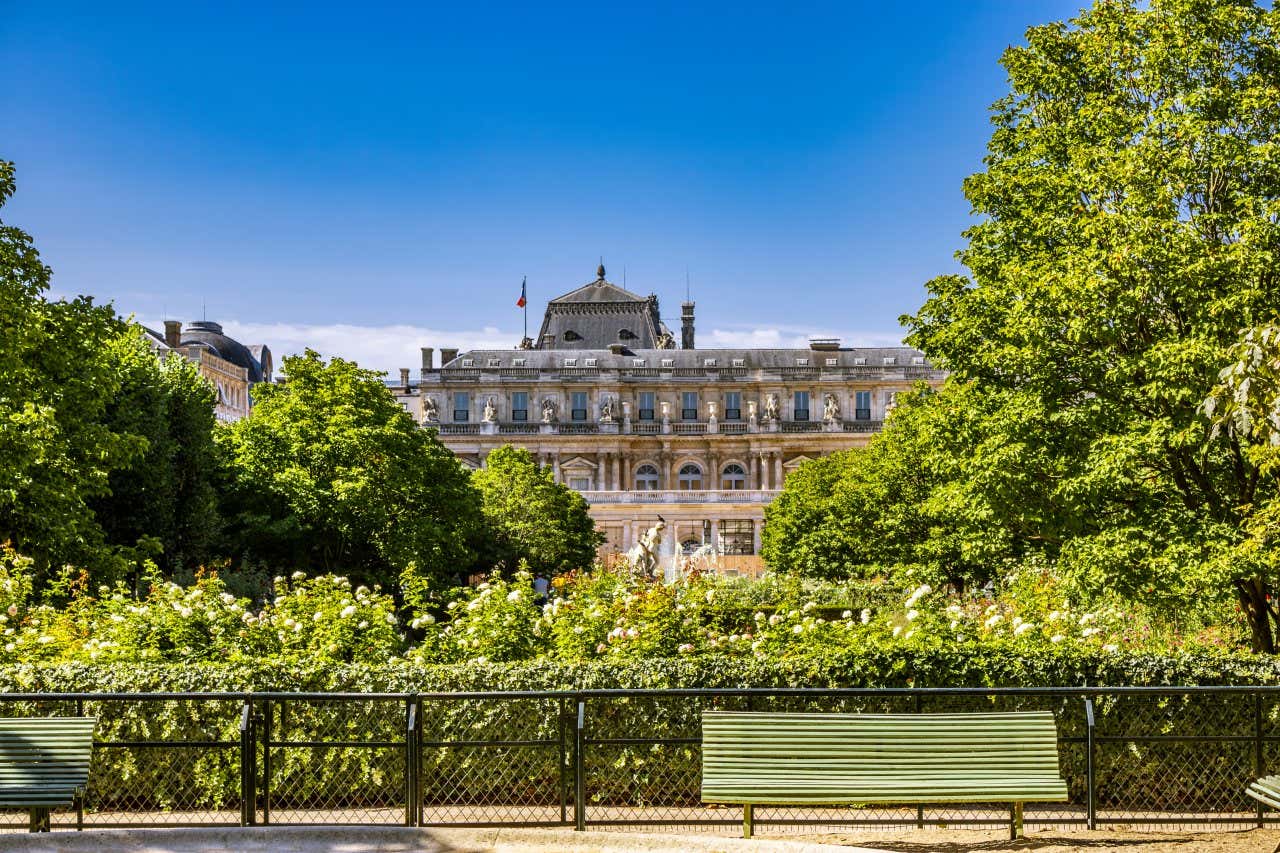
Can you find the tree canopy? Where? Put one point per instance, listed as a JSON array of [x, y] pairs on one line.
[[529, 517], [330, 473]]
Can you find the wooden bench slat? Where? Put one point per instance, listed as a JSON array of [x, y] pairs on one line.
[[44, 763]]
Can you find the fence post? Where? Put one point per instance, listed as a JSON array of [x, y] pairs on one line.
[[80, 795], [248, 765], [562, 718], [267, 711], [410, 760], [1259, 757], [1091, 802], [580, 770], [919, 808]]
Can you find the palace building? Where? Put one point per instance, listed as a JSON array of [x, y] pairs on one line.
[[702, 437], [232, 368]]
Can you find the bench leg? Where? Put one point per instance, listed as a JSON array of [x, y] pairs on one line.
[[748, 819], [1015, 822], [39, 820]]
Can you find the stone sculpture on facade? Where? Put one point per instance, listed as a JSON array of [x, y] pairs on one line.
[[644, 556], [666, 341], [430, 410], [771, 408], [606, 410], [548, 411], [831, 409], [490, 410]]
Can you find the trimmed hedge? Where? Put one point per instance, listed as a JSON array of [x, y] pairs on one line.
[[153, 779]]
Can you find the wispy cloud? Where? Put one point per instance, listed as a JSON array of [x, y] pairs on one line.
[[391, 347]]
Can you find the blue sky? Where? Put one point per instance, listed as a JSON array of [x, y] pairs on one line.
[[370, 179]]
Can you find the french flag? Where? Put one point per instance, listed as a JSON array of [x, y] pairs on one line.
[[521, 302]]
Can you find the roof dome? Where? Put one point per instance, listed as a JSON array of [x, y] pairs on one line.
[[209, 334]]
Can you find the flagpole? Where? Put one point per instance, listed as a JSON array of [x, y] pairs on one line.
[[525, 306]]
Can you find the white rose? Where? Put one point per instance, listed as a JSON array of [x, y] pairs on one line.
[[299, 576]]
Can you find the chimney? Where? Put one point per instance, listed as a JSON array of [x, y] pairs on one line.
[[686, 325], [404, 379], [172, 333], [447, 355], [428, 356]]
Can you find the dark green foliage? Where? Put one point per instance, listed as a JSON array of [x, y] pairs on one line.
[[330, 473], [530, 517]]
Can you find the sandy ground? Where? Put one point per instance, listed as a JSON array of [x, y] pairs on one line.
[[953, 840]]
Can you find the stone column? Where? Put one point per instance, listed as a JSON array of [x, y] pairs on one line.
[[777, 470], [555, 467], [602, 470], [755, 535], [752, 482]]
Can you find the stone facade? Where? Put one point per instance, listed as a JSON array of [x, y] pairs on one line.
[[230, 366], [702, 437]]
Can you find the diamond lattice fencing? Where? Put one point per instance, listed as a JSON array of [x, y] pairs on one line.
[[1178, 756]]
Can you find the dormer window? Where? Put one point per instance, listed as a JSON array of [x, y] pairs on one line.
[[637, 362], [468, 362], [571, 335], [570, 362], [739, 362], [832, 362], [708, 362], [668, 362], [494, 362], [802, 362], [889, 361], [917, 360], [859, 361], [590, 362], [517, 362]]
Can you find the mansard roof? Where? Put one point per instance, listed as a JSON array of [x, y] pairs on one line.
[[766, 359], [598, 314]]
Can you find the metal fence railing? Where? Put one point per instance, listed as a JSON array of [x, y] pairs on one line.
[[1167, 756]]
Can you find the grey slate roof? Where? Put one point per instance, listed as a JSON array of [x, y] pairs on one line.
[[598, 314], [692, 358]]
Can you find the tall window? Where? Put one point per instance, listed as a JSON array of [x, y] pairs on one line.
[[579, 401], [646, 405], [733, 477], [862, 406], [690, 478], [689, 406], [646, 478], [736, 537], [801, 412], [733, 406], [461, 406], [520, 406]]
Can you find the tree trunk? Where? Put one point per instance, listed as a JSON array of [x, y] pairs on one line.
[[1261, 614]]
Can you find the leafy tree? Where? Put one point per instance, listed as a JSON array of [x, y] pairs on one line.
[[530, 517], [329, 472], [57, 451], [165, 496], [1129, 228]]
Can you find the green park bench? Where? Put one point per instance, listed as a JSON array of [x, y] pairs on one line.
[[1266, 790], [44, 763], [844, 759]]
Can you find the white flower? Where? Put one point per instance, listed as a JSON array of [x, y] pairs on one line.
[[289, 623], [897, 629], [912, 614], [775, 619], [993, 621], [45, 638], [1017, 620], [364, 623], [759, 617], [632, 633], [348, 611], [710, 596], [1087, 618], [797, 629], [601, 649], [1111, 647], [391, 619], [299, 576], [514, 595], [1089, 632], [865, 617], [475, 602], [960, 638], [848, 614], [1055, 616], [808, 605], [427, 619], [1057, 638], [297, 628], [278, 579], [685, 648], [318, 616], [451, 605], [1023, 628], [333, 648], [185, 612], [483, 586]]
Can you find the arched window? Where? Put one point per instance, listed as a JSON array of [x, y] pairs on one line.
[[733, 477], [690, 477], [688, 546], [646, 478]]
